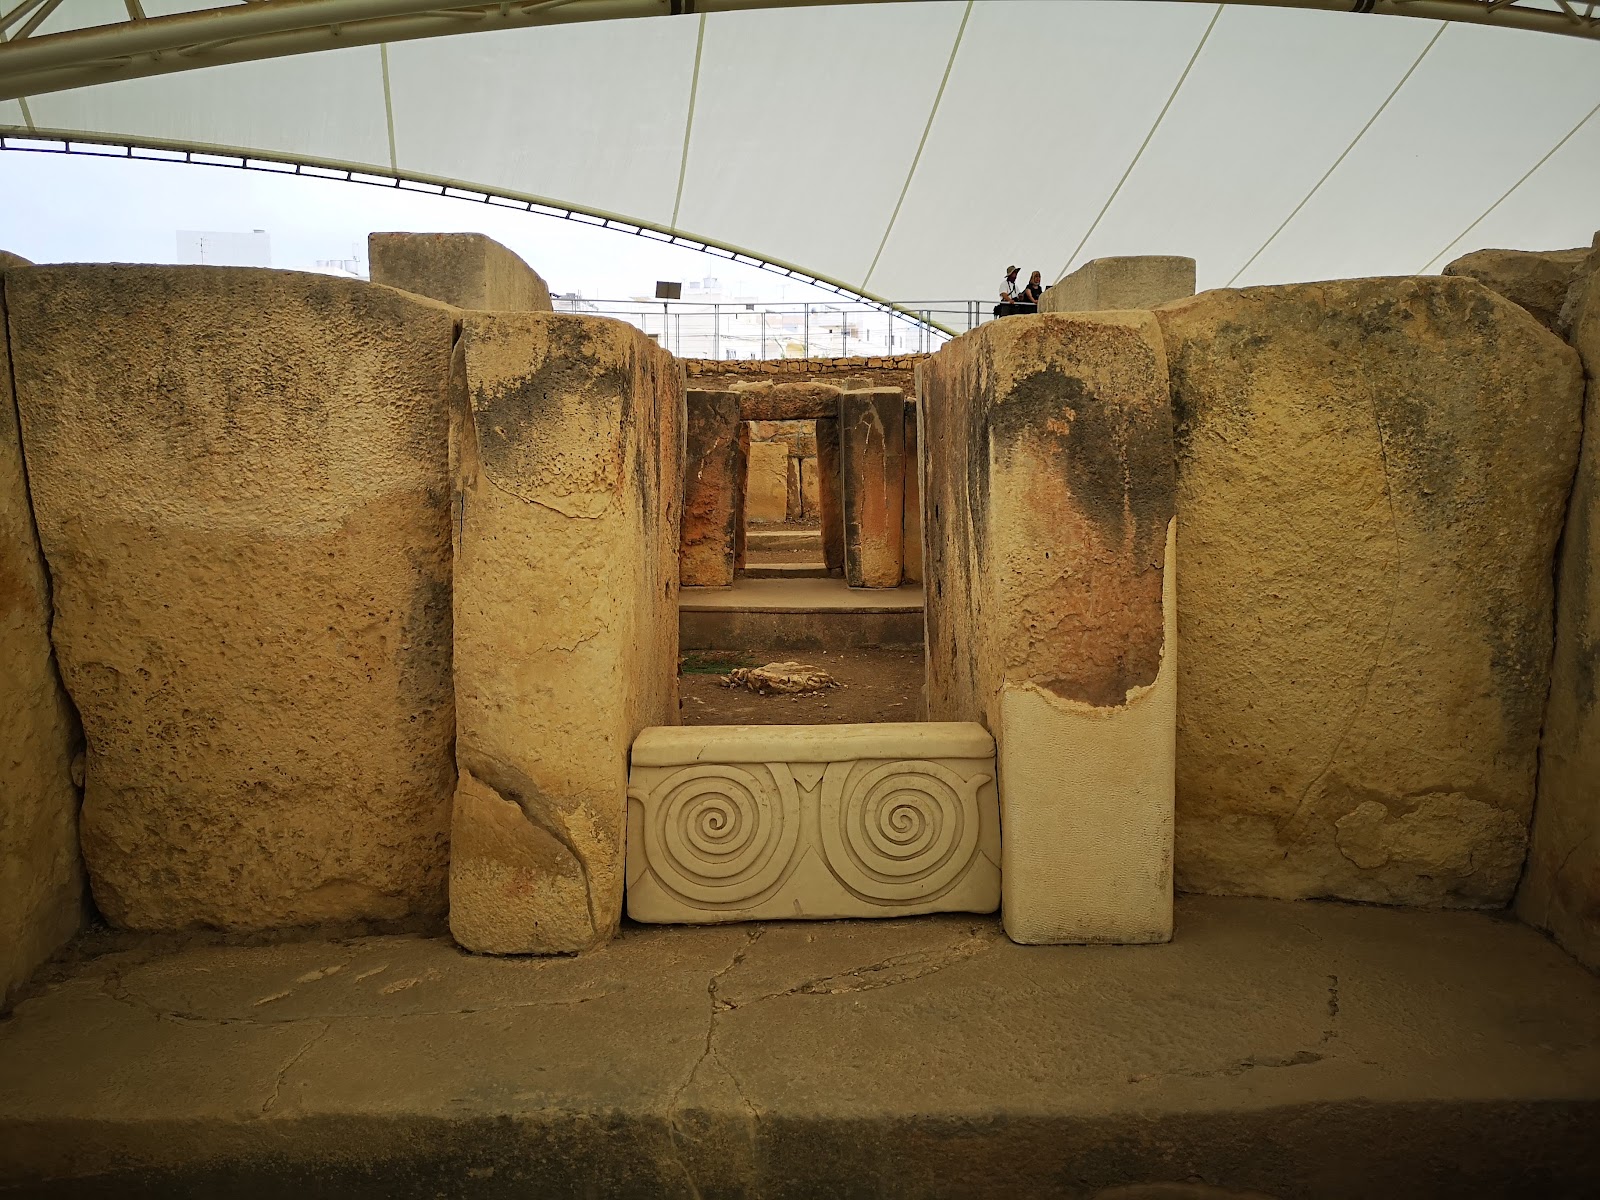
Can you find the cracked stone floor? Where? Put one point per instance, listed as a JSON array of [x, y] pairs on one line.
[[1275, 1049]]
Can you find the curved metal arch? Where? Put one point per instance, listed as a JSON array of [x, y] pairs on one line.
[[55, 141], [33, 64]]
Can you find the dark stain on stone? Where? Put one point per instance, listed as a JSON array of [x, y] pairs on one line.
[[1115, 459], [525, 411]]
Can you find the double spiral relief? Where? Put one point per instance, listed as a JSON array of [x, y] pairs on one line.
[[724, 836], [720, 835], [900, 832]]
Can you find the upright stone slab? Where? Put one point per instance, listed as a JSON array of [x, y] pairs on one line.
[[810, 494], [1126, 282], [766, 498], [240, 482], [567, 453], [830, 497], [713, 467], [872, 456], [467, 270], [743, 477], [1537, 280], [1050, 607], [41, 872], [911, 538], [1372, 475], [1560, 889]]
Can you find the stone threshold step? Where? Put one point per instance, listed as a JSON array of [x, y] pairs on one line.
[[781, 539], [787, 571], [1278, 1049], [806, 595]]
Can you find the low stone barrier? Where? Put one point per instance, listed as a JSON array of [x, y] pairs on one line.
[[749, 823]]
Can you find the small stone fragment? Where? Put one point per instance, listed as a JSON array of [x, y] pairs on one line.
[[784, 678]]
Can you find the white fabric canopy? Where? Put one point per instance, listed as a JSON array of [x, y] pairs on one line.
[[913, 150]]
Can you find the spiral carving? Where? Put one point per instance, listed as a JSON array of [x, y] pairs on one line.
[[719, 835], [901, 831]]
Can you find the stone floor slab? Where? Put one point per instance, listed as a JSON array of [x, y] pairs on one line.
[[1289, 1049]]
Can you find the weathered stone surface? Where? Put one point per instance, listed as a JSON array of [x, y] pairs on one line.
[[1371, 480], [1049, 515], [1321, 1051], [766, 400], [467, 270], [41, 872], [239, 478], [1537, 280], [911, 539], [712, 474], [1130, 281], [781, 822], [810, 492], [872, 457], [1561, 887], [830, 494], [766, 497], [794, 501], [567, 453], [7, 259], [743, 476]]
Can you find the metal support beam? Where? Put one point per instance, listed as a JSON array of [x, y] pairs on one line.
[[261, 29]]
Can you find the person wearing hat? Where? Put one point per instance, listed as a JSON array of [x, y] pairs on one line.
[[1008, 293]]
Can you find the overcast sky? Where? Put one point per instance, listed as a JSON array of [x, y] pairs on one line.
[[910, 149], [79, 208]]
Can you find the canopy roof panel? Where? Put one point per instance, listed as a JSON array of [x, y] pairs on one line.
[[911, 150]]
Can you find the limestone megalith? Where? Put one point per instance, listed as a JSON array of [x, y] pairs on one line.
[[41, 872], [467, 270], [1371, 480], [1561, 888], [1048, 511], [1537, 280], [240, 482], [567, 438]]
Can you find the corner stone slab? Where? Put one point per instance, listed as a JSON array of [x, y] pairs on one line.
[[240, 481], [567, 456]]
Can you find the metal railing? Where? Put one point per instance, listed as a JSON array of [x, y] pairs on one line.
[[736, 329]]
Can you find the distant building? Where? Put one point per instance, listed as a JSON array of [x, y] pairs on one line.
[[219, 249]]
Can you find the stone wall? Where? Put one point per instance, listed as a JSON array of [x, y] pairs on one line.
[[240, 484], [1561, 888], [467, 270], [1372, 476], [567, 451], [1129, 282], [1537, 280], [41, 873], [1048, 508], [898, 371]]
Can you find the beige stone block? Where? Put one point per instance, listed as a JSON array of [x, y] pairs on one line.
[[872, 474], [911, 539], [1048, 509], [830, 495], [1560, 889], [766, 498], [240, 483], [793, 499], [778, 822], [1372, 476], [770, 401], [1537, 280], [567, 453], [467, 270], [713, 470], [41, 871], [1130, 281], [810, 490]]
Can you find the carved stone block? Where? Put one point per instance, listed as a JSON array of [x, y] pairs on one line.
[[749, 823]]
